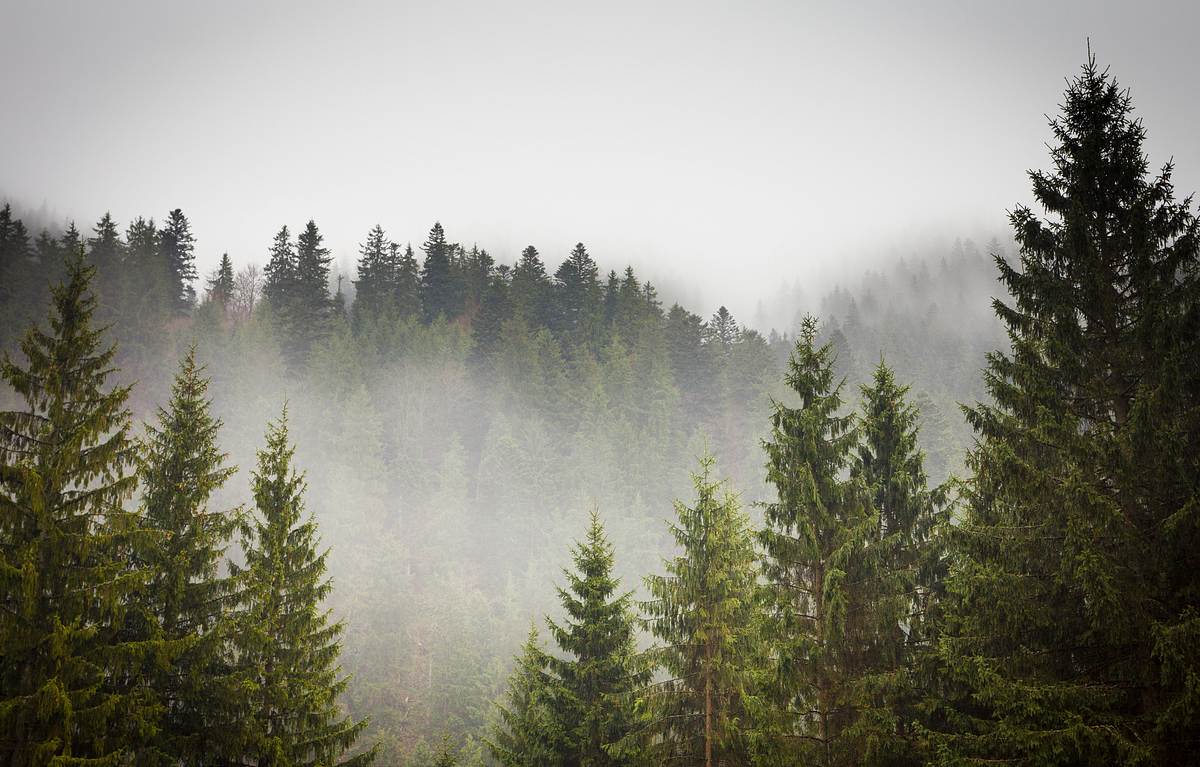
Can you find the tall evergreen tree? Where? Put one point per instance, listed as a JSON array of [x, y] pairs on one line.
[[818, 558], [579, 310], [705, 613], [1073, 623], [280, 272], [531, 289], [285, 646], [375, 287], [188, 600], [527, 732], [220, 285], [593, 700], [178, 247], [68, 691], [437, 280]]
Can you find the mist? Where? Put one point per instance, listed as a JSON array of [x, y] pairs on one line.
[[506, 270]]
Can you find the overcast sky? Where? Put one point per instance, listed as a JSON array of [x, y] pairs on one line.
[[719, 145]]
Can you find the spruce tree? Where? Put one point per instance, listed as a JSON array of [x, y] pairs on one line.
[[220, 285], [531, 289], [705, 613], [178, 247], [905, 576], [285, 646], [188, 600], [375, 287], [579, 310], [279, 274], [437, 281], [818, 556], [69, 692], [527, 732], [593, 704], [1073, 625]]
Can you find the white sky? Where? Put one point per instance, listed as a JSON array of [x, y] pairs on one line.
[[717, 146]]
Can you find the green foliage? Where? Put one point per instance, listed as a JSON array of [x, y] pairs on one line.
[[594, 682], [527, 733], [68, 688], [1071, 630], [705, 614], [285, 646]]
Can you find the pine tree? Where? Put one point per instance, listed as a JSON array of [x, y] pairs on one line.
[[220, 285], [375, 288], [407, 296], [593, 704], [285, 646], [578, 303], [437, 281], [531, 289], [68, 691], [705, 613], [817, 555], [1073, 624], [527, 733], [280, 272], [187, 600], [178, 248], [906, 572]]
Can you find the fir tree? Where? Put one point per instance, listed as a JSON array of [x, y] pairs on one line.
[[286, 648], [375, 288], [220, 285], [280, 272], [68, 691], [593, 703], [527, 732], [178, 248], [579, 309], [818, 553], [705, 613], [531, 289], [188, 601], [1072, 625], [437, 281]]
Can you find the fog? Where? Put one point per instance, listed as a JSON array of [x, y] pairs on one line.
[[708, 144], [853, 163]]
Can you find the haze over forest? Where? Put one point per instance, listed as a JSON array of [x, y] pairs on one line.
[[705, 384]]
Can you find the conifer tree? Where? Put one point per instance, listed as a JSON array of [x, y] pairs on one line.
[[437, 280], [531, 289], [1072, 624], [593, 702], [280, 272], [407, 298], [375, 288], [579, 308], [705, 613], [527, 733], [285, 646], [178, 247], [817, 543], [220, 285], [69, 693], [188, 600], [905, 572]]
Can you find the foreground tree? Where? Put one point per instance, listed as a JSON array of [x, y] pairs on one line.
[[705, 614], [187, 600], [822, 566], [594, 682], [286, 648], [69, 693], [1074, 626], [527, 733]]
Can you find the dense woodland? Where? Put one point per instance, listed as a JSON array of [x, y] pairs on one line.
[[451, 511]]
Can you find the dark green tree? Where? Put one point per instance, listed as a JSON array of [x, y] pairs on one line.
[[437, 279], [69, 693], [819, 562], [178, 247], [579, 310], [1073, 622], [220, 285], [188, 602], [375, 287], [280, 272], [285, 645], [531, 289]]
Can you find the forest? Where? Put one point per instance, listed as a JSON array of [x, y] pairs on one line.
[[448, 511]]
